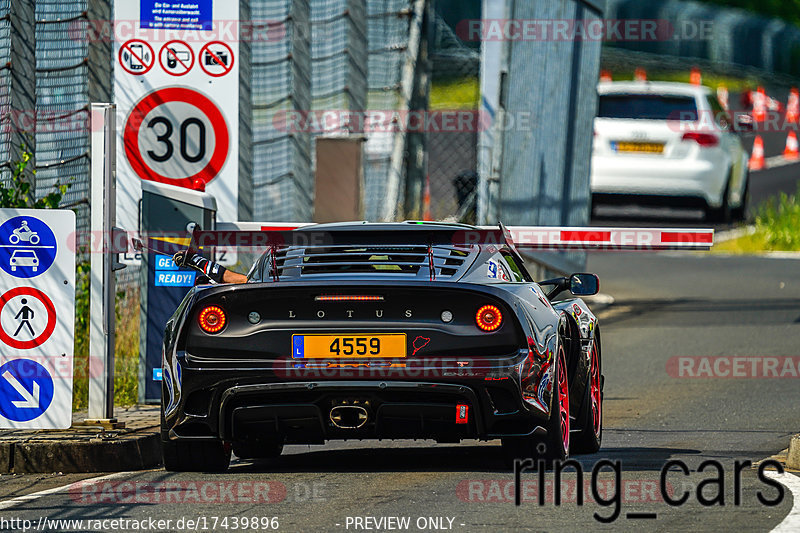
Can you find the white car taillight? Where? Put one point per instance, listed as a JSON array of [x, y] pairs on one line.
[[706, 140]]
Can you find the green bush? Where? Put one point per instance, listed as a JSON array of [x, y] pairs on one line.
[[16, 193], [779, 222], [776, 228]]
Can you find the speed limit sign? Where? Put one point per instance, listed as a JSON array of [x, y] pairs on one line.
[[176, 135]]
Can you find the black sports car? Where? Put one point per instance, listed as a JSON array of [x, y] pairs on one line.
[[382, 331]]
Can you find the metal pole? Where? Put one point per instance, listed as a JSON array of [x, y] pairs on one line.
[[103, 262]]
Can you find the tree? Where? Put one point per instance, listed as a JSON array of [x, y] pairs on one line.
[[788, 10]]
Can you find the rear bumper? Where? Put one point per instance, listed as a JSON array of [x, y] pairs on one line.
[[659, 177], [246, 405]]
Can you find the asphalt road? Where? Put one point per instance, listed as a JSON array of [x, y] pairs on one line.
[[667, 306]]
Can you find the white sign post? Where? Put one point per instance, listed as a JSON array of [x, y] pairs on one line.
[[177, 91], [37, 318]]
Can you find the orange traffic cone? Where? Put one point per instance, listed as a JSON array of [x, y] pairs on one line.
[[792, 151], [605, 76], [757, 161], [426, 200], [696, 78], [640, 74], [760, 105], [793, 106]]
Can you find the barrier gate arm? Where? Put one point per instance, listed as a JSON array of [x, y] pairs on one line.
[[523, 237]]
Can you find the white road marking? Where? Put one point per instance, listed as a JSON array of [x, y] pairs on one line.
[[790, 524], [8, 504], [778, 161]]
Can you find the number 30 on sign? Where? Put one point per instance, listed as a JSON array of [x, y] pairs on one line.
[[176, 136]]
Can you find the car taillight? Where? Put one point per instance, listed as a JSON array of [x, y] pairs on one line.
[[703, 139], [212, 319], [488, 318], [348, 298]]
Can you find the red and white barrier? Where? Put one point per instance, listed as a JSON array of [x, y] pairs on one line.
[[260, 235], [557, 238]]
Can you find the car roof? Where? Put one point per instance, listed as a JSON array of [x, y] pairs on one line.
[[649, 87]]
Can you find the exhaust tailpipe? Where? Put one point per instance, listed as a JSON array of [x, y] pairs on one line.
[[349, 416]]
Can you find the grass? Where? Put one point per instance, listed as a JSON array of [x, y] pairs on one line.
[[455, 93], [126, 359], [777, 228]]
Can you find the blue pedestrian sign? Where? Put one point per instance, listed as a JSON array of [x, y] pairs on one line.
[[26, 390], [28, 247]]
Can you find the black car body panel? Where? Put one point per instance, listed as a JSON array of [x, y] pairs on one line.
[[244, 382]]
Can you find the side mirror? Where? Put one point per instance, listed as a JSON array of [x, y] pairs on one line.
[[744, 122], [584, 284]]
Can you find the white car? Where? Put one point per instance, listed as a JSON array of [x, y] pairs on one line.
[[669, 144]]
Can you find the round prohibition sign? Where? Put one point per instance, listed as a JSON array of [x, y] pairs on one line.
[[136, 57], [51, 318], [215, 61], [176, 58], [180, 95]]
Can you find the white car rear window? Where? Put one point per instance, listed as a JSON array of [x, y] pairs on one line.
[[647, 107]]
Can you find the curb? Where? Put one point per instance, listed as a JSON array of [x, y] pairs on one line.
[[735, 233], [122, 453], [793, 455]]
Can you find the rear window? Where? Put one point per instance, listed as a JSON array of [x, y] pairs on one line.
[[647, 107]]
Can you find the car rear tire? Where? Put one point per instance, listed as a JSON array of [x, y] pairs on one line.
[[590, 421], [721, 214], [740, 213], [555, 445], [199, 456]]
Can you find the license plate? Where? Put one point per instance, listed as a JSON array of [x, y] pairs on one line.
[[641, 148], [349, 346]]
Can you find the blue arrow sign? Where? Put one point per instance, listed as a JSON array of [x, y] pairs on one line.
[[28, 247], [26, 390]]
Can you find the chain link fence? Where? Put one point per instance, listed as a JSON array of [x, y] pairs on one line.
[[345, 55], [57, 125], [389, 29], [281, 84], [340, 56], [725, 37], [62, 103], [5, 89], [452, 177], [545, 116]]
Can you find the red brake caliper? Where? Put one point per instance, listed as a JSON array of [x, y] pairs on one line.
[[563, 398]]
